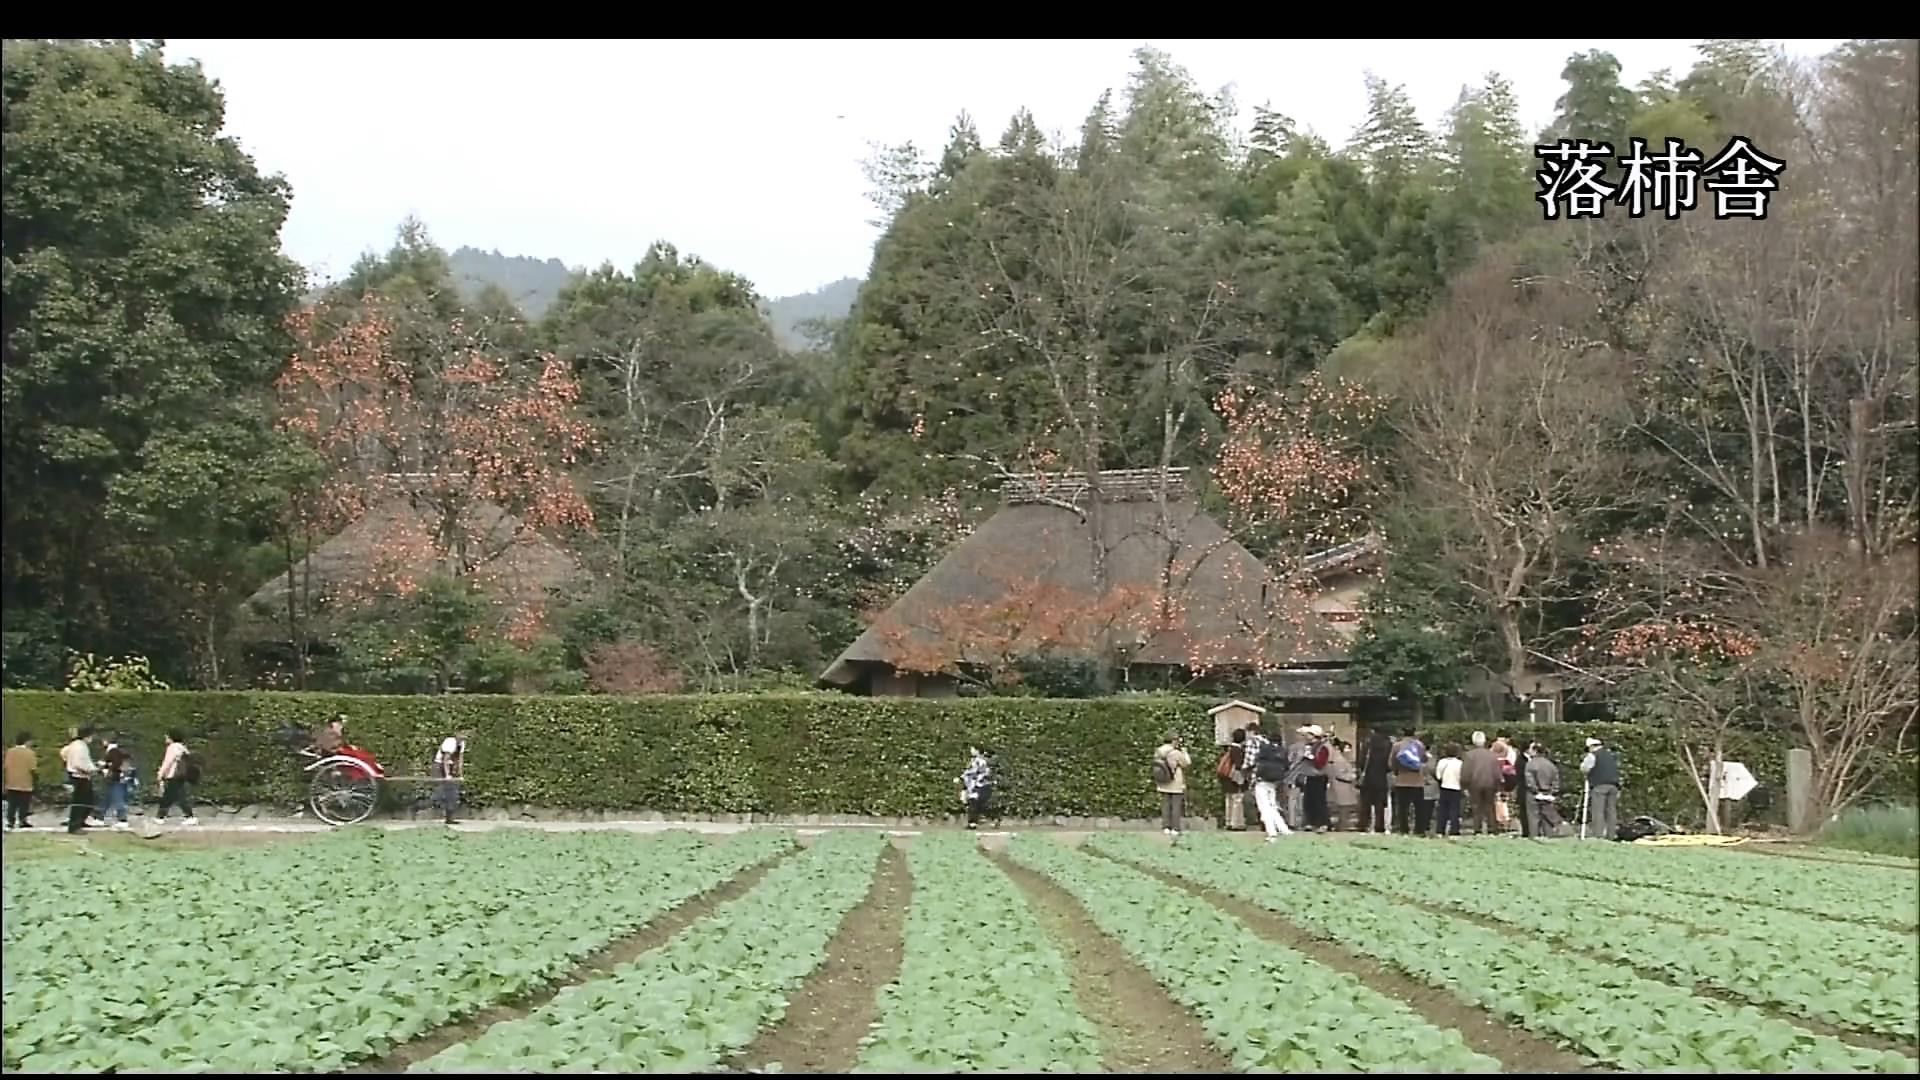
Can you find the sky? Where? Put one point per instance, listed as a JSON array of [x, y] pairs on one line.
[[746, 153]]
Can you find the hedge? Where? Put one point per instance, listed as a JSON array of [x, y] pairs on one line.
[[766, 754]]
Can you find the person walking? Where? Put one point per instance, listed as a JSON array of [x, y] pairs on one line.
[[1409, 754], [1170, 764], [179, 769], [448, 768], [1315, 757], [18, 767], [1602, 769], [1447, 772], [1269, 768], [1233, 781], [976, 785], [117, 772], [1343, 796], [1480, 775], [1376, 779], [1543, 786], [77, 757]]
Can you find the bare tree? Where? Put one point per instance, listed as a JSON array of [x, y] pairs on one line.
[[1512, 420]]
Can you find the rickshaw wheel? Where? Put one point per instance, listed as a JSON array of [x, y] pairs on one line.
[[343, 792]]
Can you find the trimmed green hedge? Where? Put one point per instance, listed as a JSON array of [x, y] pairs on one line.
[[768, 754]]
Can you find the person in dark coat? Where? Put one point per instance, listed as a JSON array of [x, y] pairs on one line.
[[1376, 778], [1480, 775]]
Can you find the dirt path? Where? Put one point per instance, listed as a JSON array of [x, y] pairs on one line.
[[1141, 1029], [835, 1008], [1519, 1051], [623, 951]]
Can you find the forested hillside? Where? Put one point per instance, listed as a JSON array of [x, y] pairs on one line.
[[797, 319], [531, 284], [1675, 454]]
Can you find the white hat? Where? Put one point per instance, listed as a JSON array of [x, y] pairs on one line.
[[1479, 738], [1314, 730], [1591, 743]]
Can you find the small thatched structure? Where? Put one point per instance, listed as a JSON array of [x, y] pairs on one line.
[[510, 560], [1180, 592]]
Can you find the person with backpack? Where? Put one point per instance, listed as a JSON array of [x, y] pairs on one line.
[[1409, 754], [1269, 767], [1376, 779], [1170, 764], [1232, 771], [179, 771]]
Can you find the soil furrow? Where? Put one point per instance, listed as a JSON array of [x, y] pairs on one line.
[[1141, 1028], [1699, 989], [623, 951], [1872, 922], [836, 1007], [1519, 1051]]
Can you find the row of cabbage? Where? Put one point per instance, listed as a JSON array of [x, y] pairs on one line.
[[1858, 977], [702, 997], [1862, 893], [1268, 1007], [310, 955], [1601, 1010], [981, 988]]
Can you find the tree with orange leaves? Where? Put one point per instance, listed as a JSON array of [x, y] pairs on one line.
[[1669, 637], [1018, 621], [404, 410], [1299, 478], [1820, 644]]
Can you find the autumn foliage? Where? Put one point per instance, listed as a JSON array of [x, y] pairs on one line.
[[1821, 644], [1296, 466], [1023, 619], [443, 426], [630, 668]]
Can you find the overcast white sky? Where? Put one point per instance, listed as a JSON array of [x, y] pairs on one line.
[[746, 153]]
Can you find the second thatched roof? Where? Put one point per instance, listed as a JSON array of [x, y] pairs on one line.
[[510, 558]]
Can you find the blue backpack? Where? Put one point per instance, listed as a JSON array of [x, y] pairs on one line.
[[1411, 755]]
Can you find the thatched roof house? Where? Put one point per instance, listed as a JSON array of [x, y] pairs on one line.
[[508, 558], [1180, 592]]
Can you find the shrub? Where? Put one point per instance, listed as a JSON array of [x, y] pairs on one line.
[[1880, 830], [774, 753]]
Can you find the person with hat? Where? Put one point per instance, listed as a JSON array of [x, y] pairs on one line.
[[1314, 758], [1170, 764], [1602, 769], [1480, 775]]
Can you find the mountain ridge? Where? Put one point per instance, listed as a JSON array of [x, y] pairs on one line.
[[533, 284]]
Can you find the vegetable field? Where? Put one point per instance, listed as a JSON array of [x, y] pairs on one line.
[[527, 951]]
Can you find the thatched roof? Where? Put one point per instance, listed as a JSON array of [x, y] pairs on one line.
[[1223, 598], [509, 558]]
